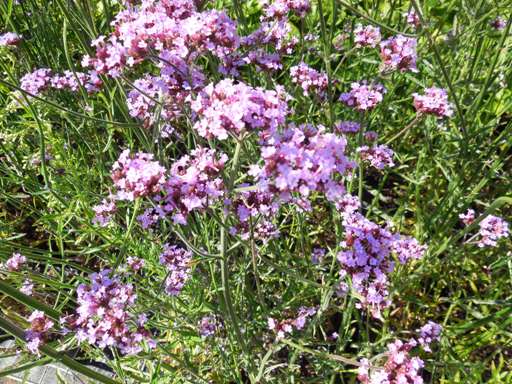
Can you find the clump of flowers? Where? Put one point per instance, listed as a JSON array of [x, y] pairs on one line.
[[137, 176], [429, 333], [399, 368], [286, 326], [309, 79], [27, 287], [399, 52], [177, 262], [434, 101], [363, 97], [412, 18], [102, 317], [366, 36], [366, 257], [280, 8], [379, 156], [104, 212], [347, 127], [37, 334], [135, 263], [492, 228], [15, 262], [72, 81], [208, 326], [468, 217], [231, 108], [302, 160], [499, 23], [37, 81], [408, 248], [317, 255], [9, 39]]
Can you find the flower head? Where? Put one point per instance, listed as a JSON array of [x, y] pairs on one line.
[[399, 52], [434, 101]]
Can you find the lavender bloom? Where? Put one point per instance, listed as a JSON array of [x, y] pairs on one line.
[[137, 176], [102, 316], [399, 52], [434, 101], [499, 23], [317, 255], [379, 156], [135, 263], [15, 262], [177, 261], [408, 248], [36, 82], [362, 96], [412, 18], [367, 36], [10, 39], [347, 127], [37, 335], [286, 326], [429, 333], [27, 287], [468, 217], [309, 79], [104, 212], [208, 326], [492, 228]]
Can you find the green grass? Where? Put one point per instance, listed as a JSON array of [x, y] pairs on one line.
[[442, 169]]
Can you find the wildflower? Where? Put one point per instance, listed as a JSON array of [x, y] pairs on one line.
[[72, 81], [434, 101], [104, 212], [137, 176], [36, 335], [468, 217], [309, 79], [102, 316], [429, 333], [286, 326], [399, 368], [347, 127], [366, 36], [379, 156], [15, 262], [27, 287], [177, 261], [317, 255], [371, 136], [399, 52], [408, 248], [499, 23], [492, 228], [362, 96], [278, 9], [208, 326], [412, 18], [10, 39], [348, 204], [233, 108], [36, 82], [135, 263]]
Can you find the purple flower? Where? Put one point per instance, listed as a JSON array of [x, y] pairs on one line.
[[36, 82], [317, 255], [362, 96], [15, 262], [309, 79], [104, 212], [434, 101], [177, 261], [429, 333], [135, 263], [468, 217], [286, 326], [37, 334], [208, 326], [137, 176], [408, 248], [347, 127], [379, 156], [10, 39], [499, 23], [412, 18], [366, 36], [399, 52], [278, 9], [27, 287], [492, 228]]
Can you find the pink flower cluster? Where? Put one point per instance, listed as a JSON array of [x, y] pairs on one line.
[[434, 101], [229, 108], [256, 208], [492, 228], [400, 367], [137, 176], [9, 39], [280, 8], [379, 156], [37, 81], [283, 327], [15, 262], [499, 23], [135, 263], [347, 127], [309, 79], [429, 333], [363, 97], [42, 79], [399, 52], [366, 257], [412, 18], [102, 317], [208, 326], [366, 36], [37, 334], [104, 212], [177, 261], [303, 160]]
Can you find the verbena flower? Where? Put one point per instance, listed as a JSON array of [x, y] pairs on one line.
[[208, 326], [177, 261], [468, 217], [492, 228], [231, 108], [37, 81], [434, 101], [366, 36], [347, 127], [280, 8], [137, 175], [362, 96], [429, 333], [27, 287], [104, 212], [10, 39], [102, 317], [379, 156], [135, 263], [309, 79], [499, 23], [15, 262], [37, 334], [286, 326], [412, 18], [399, 53]]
